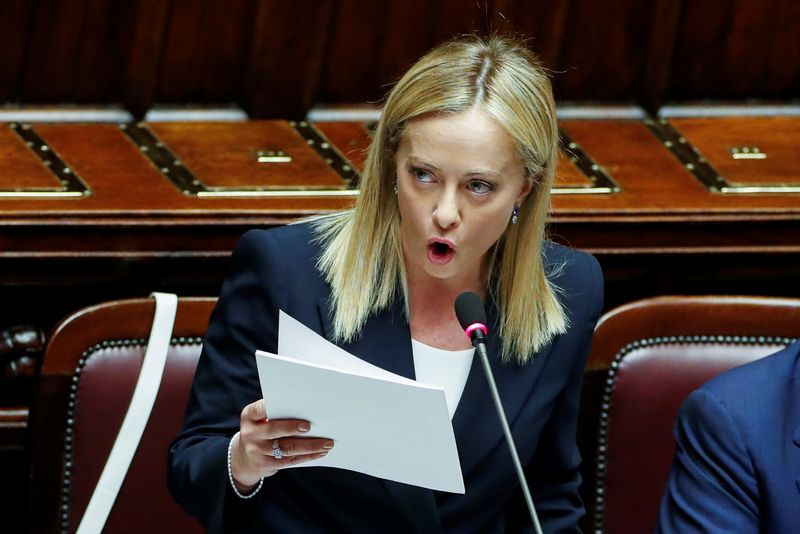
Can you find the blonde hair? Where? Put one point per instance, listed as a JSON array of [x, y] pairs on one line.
[[362, 258]]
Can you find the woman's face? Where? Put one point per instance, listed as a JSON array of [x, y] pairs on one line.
[[459, 177]]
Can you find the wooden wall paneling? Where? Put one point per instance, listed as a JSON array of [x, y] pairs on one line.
[[102, 52], [603, 57], [406, 39], [144, 57], [736, 49], [56, 34], [15, 17], [541, 23], [289, 44], [457, 17], [783, 56], [182, 58], [228, 34], [351, 59], [205, 51], [652, 92], [702, 28], [746, 46]]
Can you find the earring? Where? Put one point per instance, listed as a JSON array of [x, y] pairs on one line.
[[515, 215], [394, 188]]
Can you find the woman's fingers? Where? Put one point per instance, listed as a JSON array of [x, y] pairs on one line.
[[255, 425], [282, 448], [255, 412], [267, 445]]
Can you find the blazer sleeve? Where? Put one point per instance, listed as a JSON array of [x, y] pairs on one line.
[[244, 319], [711, 486], [554, 473]]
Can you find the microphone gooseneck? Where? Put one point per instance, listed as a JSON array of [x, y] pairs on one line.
[[472, 318]]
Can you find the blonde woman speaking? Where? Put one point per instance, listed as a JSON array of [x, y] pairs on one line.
[[454, 197]]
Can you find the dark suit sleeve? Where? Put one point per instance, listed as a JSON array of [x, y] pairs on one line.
[[226, 380], [554, 474], [711, 486]]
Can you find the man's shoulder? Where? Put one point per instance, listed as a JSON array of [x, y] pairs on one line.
[[764, 375]]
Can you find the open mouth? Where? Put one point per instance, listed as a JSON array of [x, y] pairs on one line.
[[440, 252]]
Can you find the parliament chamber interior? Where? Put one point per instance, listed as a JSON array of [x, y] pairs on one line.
[[140, 139]]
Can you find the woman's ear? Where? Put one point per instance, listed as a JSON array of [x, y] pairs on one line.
[[525, 189]]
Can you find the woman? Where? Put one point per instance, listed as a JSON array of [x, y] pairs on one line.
[[455, 193]]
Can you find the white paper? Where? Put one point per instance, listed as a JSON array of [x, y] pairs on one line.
[[383, 424]]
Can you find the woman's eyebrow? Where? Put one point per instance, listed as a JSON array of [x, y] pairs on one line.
[[417, 161], [474, 172]]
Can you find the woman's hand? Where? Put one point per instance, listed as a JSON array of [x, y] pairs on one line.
[[253, 456]]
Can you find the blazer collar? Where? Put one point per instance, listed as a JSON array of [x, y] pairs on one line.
[[385, 341]]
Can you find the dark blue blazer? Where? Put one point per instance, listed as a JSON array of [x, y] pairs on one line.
[[737, 466], [275, 269]]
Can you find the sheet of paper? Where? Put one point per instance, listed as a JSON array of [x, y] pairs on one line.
[[383, 424]]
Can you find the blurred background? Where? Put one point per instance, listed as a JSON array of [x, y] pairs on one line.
[[272, 58], [632, 79]]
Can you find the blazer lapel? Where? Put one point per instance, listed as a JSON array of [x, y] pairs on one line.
[[476, 402], [385, 341]]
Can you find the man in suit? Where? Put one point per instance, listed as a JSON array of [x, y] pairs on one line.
[[737, 466]]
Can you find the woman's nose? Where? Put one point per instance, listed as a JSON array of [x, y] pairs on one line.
[[447, 212]]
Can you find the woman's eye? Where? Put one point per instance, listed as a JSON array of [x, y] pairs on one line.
[[422, 175], [479, 186]]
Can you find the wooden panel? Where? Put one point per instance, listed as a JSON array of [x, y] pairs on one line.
[[351, 139], [53, 50], [661, 207], [102, 52], [14, 20], [568, 174], [278, 58], [224, 155], [543, 22], [776, 137], [141, 74], [286, 57], [749, 49], [205, 51], [19, 166], [608, 59], [351, 58]]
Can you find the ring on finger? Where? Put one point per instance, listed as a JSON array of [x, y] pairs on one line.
[[276, 450]]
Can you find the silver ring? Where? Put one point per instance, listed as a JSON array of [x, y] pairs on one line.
[[276, 450]]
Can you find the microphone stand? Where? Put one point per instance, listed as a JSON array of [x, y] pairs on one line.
[[512, 448]]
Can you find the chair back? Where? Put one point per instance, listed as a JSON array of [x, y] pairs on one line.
[[89, 372], [653, 353]]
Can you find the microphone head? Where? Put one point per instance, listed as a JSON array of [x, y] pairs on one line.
[[469, 310]]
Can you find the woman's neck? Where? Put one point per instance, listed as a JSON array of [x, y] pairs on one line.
[[432, 316]]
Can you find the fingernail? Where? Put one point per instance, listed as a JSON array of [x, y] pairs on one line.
[[323, 454], [303, 427], [327, 445]]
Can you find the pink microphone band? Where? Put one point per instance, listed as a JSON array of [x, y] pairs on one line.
[[475, 326]]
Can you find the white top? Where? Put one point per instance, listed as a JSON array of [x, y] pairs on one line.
[[448, 369]]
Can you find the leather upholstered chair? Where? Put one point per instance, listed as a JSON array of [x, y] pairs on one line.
[[652, 354], [89, 372]]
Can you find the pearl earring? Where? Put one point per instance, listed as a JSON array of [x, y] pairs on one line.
[[515, 215]]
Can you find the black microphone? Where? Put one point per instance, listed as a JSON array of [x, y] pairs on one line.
[[472, 318]]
